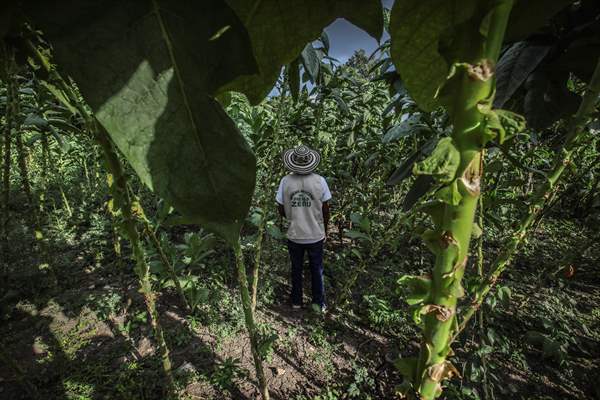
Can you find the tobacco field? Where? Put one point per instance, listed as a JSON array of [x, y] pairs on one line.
[[142, 255]]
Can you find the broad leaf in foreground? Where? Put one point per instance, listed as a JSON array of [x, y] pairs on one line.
[[416, 29], [530, 15], [150, 68]]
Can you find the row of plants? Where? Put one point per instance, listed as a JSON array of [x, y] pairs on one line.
[[424, 110]]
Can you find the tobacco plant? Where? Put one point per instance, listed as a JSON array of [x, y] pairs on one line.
[[454, 166], [545, 192], [162, 108]]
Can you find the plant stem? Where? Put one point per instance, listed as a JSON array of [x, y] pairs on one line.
[[65, 200], [22, 156], [451, 238], [544, 192], [22, 159], [44, 162], [480, 272], [259, 239], [269, 166], [120, 192], [249, 319], [164, 259]]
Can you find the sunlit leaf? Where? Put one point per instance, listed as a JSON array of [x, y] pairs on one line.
[[442, 163], [155, 100]]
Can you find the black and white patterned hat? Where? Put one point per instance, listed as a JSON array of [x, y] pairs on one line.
[[301, 160]]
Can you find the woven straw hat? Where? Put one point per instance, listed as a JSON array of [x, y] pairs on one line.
[[301, 160]]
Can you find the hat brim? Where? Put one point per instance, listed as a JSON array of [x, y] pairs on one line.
[[290, 165]]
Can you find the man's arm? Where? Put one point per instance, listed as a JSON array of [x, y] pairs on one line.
[[326, 215], [279, 198]]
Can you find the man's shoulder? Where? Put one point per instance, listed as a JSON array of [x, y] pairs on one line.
[[322, 179], [284, 179]]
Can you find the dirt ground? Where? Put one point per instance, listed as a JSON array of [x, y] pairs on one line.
[[61, 331]]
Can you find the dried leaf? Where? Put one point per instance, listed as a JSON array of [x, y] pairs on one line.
[[442, 313], [444, 370]]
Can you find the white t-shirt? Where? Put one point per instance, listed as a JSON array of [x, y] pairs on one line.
[[325, 196]]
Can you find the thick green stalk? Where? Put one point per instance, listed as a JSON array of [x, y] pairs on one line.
[[65, 200], [22, 156], [544, 192], [451, 238], [261, 228], [259, 242], [249, 319], [116, 237]]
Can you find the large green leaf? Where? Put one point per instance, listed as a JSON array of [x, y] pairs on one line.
[[311, 62], [528, 16], [280, 29], [515, 66], [147, 69], [442, 163], [417, 28]]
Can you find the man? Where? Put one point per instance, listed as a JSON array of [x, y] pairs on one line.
[[303, 198]]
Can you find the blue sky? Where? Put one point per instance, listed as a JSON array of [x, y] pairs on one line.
[[346, 38]]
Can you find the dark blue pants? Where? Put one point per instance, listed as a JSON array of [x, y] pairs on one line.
[[315, 262]]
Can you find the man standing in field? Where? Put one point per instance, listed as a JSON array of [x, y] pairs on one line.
[[303, 198]]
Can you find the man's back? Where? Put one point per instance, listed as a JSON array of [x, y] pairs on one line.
[[302, 197]]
